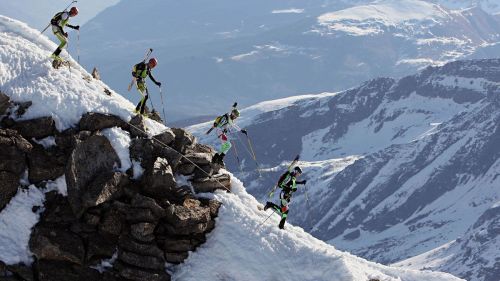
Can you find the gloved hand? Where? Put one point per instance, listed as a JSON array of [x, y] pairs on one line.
[[77, 27], [244, 132], [235, 104], [301, 182], [66, 34], [158, 84]]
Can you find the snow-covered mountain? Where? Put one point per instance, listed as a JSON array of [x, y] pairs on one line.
[[239, 248], [270, 49], [407, 165]]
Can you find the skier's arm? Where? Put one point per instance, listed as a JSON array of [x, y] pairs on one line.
[[76, 27], [301, 182], [153, 79]]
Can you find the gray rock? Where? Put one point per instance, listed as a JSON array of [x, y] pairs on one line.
[[4, 104], [62, 271], [92, 157], [45, 164], [176, 258], [198, 158], [185, 169], [190, 218], [21, 271], [103, 188], [36, 128], [137, 127], [144, 249], [93, 121], [147, 262], [183, 140], [180, 245], [56, 244], [143, 151], [220, 181], [13, 150], [138, 274], [159, 180], [99, 248], [141, 201], [112, 223], [143, 231], [57, 210], [137, 215], [166, 137]]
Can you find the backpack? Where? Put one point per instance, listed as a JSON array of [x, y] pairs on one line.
[[283, 178], [137, 69], [219, 119], [56, 18]]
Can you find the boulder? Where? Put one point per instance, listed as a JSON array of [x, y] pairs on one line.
[[159, 179], [173, 245], [4, 104], [203, 148], [147, 262], [144, 249], [56, 244], [99, 248], [137, 215], [214, 206], [141, 201], [185, 169], [198, 158], [176, 258], [138, 127], [91, 158], [143, 231], [190, 218], [219, 181], [165, 138], [45, 164], [57, 210], [112, 223], [103, 188], [143, 151], [140, 274], [203, 171], [21, 271], [173, 157], [38, 128], [62, 271], [13, 150], [183, 140], [93, 121]]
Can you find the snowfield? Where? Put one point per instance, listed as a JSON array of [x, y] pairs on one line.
[[236, 250]]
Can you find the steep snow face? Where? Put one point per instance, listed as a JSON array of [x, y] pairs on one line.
[[480, 243], [241, 249], [405, 164]]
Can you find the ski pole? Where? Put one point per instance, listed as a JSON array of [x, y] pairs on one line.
[[163, 107], [63, 11], [148, 53], [78, 46], [253, 155], [237, 157], [265, 220]]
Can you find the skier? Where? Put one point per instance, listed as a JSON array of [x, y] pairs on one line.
[[58, 22], [223, 124], [288, 184], [140, 71]]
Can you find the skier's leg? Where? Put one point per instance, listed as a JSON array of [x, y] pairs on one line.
[[143, 105], [63, 43], [271, 205], [140, 89]]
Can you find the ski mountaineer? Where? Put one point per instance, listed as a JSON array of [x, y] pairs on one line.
[[140, 71], [223, 125], [58, 22], [288, 184]]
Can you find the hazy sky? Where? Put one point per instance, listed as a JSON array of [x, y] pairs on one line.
[[37, 13]]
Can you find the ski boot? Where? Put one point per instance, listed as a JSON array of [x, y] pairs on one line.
[[268, 205], [57, 61], [282, 223]]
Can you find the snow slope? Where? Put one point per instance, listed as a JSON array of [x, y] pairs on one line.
[[243, 250], [237, 250]]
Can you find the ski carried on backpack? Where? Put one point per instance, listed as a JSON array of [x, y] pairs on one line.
[[294, 162], [41, 32], [148, 53]]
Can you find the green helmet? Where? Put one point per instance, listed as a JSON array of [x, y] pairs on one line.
[[235, 113]]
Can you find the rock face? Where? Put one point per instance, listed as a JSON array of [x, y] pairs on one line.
[[13, 151], [92, 157], [141, 222]]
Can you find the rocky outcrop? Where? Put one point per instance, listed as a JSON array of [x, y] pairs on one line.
[[92, 158], [4, 104], [97, 121], [143, 220]]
